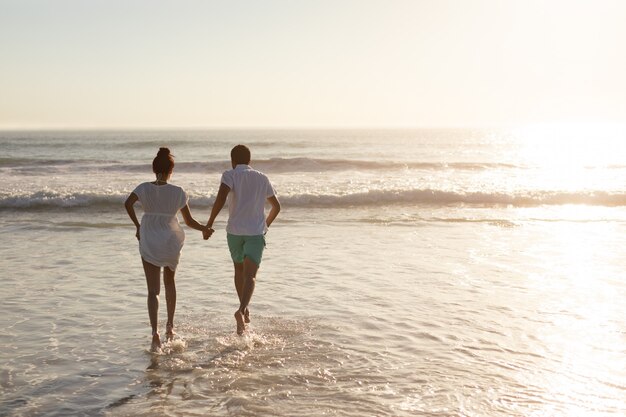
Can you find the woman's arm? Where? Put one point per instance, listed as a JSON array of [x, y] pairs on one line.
[[191, 222], [274, 211], [130, 202]]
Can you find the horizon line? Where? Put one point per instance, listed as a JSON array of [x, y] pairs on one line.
[[493, 126], [201, 128]]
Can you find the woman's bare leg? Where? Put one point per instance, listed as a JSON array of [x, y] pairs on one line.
[[170, 299], [153, 279]]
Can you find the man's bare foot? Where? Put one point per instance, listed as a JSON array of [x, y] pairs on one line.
[[241, 326], [156, 342], [246, 315], [169, 331]]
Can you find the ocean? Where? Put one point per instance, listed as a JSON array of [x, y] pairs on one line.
[[441, 272]]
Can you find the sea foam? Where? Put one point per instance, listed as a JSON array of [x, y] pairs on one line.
[[106, 200]]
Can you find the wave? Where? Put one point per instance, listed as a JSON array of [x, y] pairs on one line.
[[280, 165], [440, 198], [32, 162], [270, 166], [52, 200], [273, 165]]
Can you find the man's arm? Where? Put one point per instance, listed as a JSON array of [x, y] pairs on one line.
[[274, 211], [220, 200]]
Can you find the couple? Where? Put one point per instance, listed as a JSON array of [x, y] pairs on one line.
[[161, 238]]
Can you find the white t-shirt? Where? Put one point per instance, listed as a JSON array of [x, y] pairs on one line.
[[249, 190]]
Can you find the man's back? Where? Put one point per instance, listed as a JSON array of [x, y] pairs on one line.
[[249, 190]]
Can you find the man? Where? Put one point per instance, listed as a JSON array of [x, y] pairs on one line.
[[247, 190]]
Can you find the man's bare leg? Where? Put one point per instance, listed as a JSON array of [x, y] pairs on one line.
[[238, 278], [239, 287], [249, 282], [170, 300], [153, 280], [241, 326]]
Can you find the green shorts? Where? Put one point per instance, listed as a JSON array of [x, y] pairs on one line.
[[246, 246]]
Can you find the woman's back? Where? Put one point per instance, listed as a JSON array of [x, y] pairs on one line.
[[161, 199]]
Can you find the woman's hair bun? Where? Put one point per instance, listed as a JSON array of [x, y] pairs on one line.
[[163, 163]]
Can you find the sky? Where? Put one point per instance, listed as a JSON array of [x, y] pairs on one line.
[[315, 63]]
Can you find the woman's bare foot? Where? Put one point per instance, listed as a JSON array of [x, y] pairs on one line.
[[156, 342], [169, 331], [246, 315], [241, 325]]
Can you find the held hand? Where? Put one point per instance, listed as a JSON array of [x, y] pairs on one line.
[[137, 234], [207, 232]]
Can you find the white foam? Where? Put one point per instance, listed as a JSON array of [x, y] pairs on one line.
[[52, 199]]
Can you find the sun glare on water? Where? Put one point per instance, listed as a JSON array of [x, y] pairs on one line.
[[577, 257], [566, 146], [574, 157]]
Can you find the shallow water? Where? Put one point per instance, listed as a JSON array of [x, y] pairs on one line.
[[390, 309], [470, 318]]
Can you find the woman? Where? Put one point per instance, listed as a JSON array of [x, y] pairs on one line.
[[160, 236]]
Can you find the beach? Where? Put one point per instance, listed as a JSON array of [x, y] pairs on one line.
[[440, 272]]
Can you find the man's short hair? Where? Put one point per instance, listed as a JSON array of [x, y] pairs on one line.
[[240, 154]]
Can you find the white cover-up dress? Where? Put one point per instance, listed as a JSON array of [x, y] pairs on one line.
[[161, 238]]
